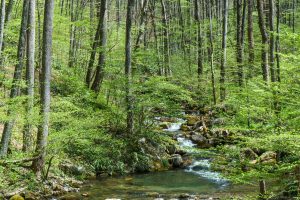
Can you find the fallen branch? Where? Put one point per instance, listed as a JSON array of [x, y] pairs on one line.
[[25, 160]]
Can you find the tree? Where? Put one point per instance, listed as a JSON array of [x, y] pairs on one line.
[[2, 21], [101, 61], [264, 41], [43, 129], [27, 139], [199, 40], [224, 55], [128, 68], [15, 89], [250, 38]]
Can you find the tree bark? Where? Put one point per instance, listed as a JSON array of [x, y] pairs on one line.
[[128, 68], [272, 40], [264, 41], [224, 55], [250, 39], [28, 134], [101, 61], [2, 21], [43, 130], [8, 126]]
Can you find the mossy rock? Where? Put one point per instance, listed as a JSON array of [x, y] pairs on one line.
[[16, 197]]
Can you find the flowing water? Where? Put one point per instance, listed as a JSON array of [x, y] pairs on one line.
[[198, 178]]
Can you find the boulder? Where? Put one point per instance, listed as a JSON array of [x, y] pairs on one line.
[[176, 160], [192, 120], [71, 169], [249, 154], [185, 127], [16, 197], [198, 139], [268, 157], [172, 149], [164, 125]]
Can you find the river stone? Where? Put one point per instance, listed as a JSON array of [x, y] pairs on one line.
[[199, 139], [16, 197], [192, 120], [176, 160]]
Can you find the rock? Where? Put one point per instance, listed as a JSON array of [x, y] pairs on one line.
[[85, 194], [185, 127], [268, 157], [249, 154], [192, 120], [16, 197], [71, 169], [199, 139], [172, 149], [164, 125], [176, 160], [198, 124]]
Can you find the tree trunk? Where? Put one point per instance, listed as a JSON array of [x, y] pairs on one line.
[[199, 40], [128, 69], [272, 40], [16, 81], [2, 21], [166, 39], [101, 61], [88, 78], [264, 41], [211, 51], [250, 39], [28, 135], [43, 130], [224, 55]]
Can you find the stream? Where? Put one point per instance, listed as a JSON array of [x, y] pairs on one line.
[[196, 179]]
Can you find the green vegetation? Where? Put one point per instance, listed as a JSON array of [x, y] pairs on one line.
[[152, 58]]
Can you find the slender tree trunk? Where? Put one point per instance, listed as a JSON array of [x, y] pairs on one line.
[[250, 38], [43, 130], [272, 40], [28, 134], [278, 40], [199, 40], [16, 82], [211, 51], [88, 78], [101, 61], [2, 21], [239, 41], [224, 55], [166, 39], [264, 41], [128, 69]]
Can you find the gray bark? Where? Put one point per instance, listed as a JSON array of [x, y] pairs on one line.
[[224, 55], [43, 130], [2, 21], [102, 55], [8, 126], [128, 68], [28, 134]]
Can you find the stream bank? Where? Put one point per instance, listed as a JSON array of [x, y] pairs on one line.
[[191, 178]]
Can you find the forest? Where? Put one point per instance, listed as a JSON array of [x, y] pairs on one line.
[[149, 99]]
